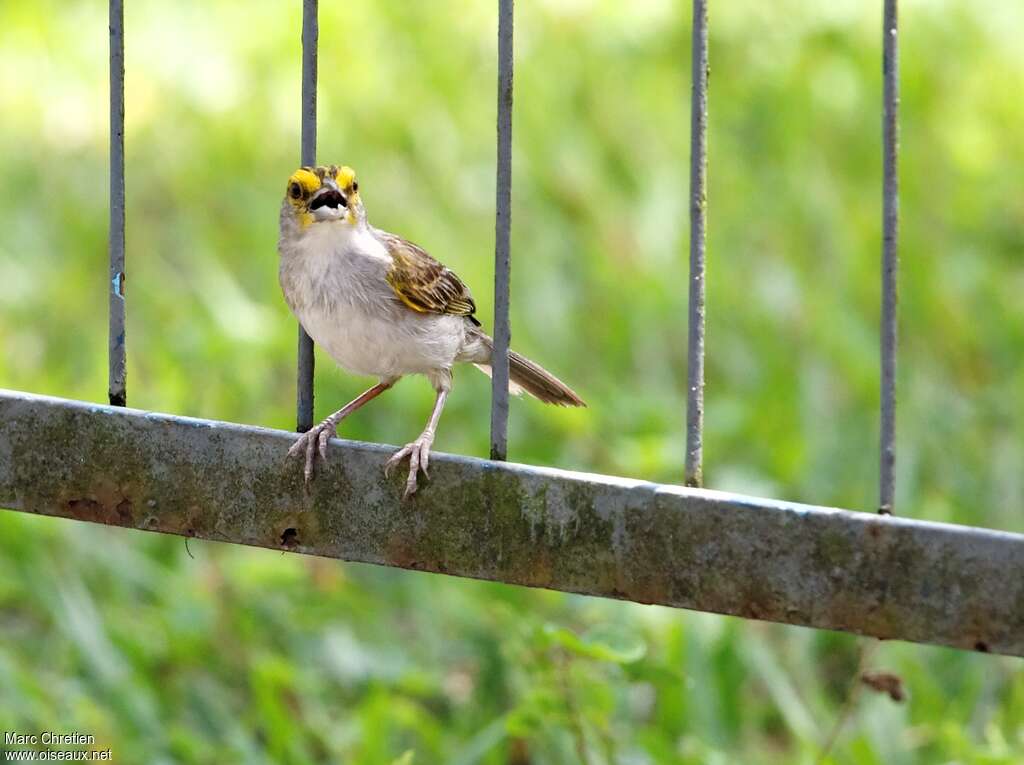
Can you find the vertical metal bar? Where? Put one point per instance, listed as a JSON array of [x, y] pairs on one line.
[[890, 256], [310, 39], [502, 234], [694, 473], [116, 380]]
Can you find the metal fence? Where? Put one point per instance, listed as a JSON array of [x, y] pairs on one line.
[[693, 473], [685, 547]]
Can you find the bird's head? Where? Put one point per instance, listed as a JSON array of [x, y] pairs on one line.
[[323, 194]]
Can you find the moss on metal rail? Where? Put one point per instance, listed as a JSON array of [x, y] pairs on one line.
[[650, 543]]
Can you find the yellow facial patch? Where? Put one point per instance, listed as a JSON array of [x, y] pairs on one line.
[[306, 180], [346, 177]]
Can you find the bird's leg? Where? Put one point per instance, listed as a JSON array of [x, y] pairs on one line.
[[319, 435], [418, 451]]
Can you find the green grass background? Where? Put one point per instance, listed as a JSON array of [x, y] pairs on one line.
[[251, 656]]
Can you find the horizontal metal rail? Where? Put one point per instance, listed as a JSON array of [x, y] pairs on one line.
[[614, 537]]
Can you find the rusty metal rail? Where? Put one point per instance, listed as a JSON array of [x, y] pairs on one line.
[[613, 537]]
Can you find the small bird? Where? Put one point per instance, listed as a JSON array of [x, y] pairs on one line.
[[382, 307]]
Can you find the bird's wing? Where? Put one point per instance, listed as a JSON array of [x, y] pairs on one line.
[[422, 283]]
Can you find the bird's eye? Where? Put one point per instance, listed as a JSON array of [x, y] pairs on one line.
[[355, 186], [295, 191]]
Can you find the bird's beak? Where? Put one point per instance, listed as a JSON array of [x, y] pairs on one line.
[[328, 203]]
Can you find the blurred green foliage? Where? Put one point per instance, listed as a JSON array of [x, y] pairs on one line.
[[257, 657]]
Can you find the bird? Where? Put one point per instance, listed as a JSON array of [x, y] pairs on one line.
[[381, 306]]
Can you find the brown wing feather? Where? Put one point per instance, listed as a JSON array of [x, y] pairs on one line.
[[424, 284]]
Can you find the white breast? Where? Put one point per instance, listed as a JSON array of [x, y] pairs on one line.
[[333, 277]]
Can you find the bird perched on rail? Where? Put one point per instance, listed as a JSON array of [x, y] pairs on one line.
[[381, 306]]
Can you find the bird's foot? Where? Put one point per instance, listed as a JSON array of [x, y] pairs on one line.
[[313, 441], [418, 453]]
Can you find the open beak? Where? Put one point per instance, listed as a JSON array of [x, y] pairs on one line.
[[328, 203]]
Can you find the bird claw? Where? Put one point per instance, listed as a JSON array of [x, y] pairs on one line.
[[418, 453], [310, 443]]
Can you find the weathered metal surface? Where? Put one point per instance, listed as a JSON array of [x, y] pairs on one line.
[[615, 537]]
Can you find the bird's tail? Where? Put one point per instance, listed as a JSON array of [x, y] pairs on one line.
[[533, 378]]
